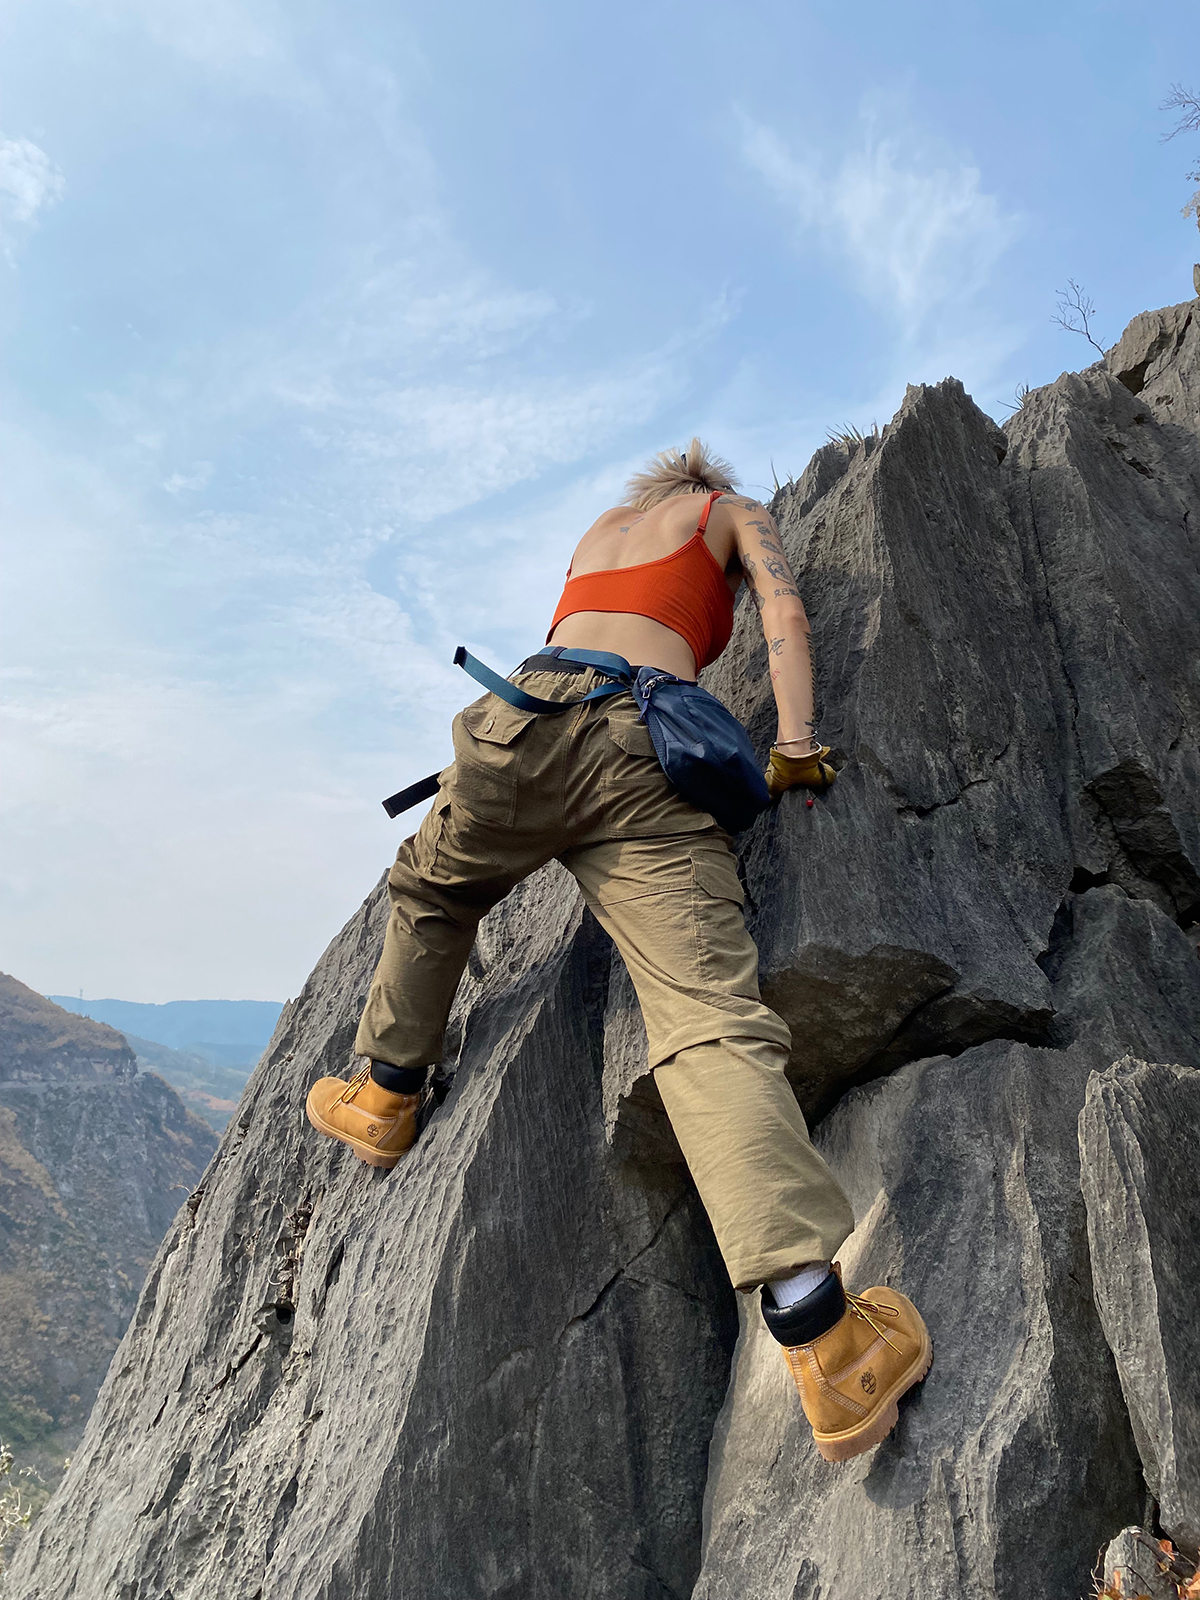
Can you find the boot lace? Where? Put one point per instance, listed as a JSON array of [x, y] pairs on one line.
[[863, 1308], [355, 1084]]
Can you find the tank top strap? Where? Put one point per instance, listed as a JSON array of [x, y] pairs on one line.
[[708, 505]]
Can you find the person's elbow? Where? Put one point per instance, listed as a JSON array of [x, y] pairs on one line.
[[783, 614]]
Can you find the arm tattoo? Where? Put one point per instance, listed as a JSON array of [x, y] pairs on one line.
[[796, 592], [776, 645]]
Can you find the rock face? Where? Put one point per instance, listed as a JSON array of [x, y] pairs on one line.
[[1137, 1152], [94, 1161], [964, 1173], [455, 1363], [498, 1371]]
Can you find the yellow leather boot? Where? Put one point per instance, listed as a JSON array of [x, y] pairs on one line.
[[851, 1376], [379, 1126]]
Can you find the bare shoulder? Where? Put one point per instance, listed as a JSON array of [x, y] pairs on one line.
[[616, 519], [748, 516]]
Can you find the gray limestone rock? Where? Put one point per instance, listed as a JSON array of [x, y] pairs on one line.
[[1156, 358], [1104, 490], [937, 697], [496, 1370], [1137, 1147], [1137, 1567], [1015, 1459]]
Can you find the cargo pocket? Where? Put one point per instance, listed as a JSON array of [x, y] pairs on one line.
[[633, 776], [428, 836], [487, 756], [718, 878], [726, 953], [641, 875]]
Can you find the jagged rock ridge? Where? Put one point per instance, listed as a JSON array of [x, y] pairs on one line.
[[496, 1371]]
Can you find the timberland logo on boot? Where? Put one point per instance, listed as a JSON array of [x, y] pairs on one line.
[[868, 1381], [372, 1130]]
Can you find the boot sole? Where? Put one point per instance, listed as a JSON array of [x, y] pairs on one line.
[[366, 1153], [857, 1441]]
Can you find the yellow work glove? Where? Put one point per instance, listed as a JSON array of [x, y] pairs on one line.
[[810, 771]]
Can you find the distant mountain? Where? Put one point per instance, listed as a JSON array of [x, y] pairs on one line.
[[227, 1033], [211, 1092], [95, 1160], [39, 1041]]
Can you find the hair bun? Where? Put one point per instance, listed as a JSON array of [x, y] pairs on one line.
[[692, 471]]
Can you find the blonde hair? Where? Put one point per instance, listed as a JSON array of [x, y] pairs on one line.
[[692, 471]]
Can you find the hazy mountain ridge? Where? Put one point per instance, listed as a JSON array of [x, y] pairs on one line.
[[227, 1033]]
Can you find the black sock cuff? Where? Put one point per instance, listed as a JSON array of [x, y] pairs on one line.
[[809, 1318], [399, 1080]]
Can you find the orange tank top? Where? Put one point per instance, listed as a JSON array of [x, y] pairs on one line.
[[685, 591]]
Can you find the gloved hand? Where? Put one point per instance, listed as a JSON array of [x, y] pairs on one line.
[[809, 771]]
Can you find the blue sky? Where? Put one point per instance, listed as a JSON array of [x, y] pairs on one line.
[[328, 329]]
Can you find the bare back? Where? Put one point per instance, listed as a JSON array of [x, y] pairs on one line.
[[624, 537]]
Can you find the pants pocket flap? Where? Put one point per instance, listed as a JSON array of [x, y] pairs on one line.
[[492, 721], [632, 736], [720, 879]]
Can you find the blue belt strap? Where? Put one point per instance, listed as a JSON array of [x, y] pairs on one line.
[[615, 666]]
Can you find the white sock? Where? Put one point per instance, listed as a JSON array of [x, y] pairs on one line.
[[787, 1291]]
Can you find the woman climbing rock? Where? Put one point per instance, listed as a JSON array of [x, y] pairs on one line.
[[568, 760]]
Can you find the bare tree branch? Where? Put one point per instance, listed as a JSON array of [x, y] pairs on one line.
[[1187, 104], [1075, 312]]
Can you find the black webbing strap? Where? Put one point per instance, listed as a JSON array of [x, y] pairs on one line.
[[425, 789]]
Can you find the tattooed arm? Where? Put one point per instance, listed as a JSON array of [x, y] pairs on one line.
[[784, 621]]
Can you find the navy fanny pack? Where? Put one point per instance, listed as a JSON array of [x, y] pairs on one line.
[[700, 744]]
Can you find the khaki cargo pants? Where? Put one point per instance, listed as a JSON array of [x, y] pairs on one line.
[[585, 787]]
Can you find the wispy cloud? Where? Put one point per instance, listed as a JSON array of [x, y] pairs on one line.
[[246, 40], [249, 556], [187, 482], [913, 223], [29, 183]]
